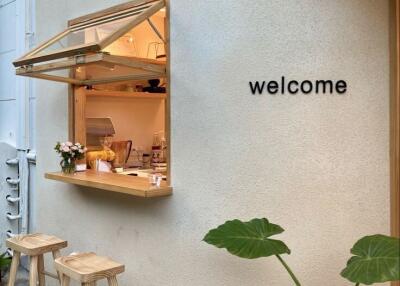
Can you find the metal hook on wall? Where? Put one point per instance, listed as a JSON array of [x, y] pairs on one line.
[[12, 181], [13, 217], [12, 162], [12, 200]]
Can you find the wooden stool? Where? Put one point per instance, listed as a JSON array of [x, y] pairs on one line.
[[35, 246], [87, 268]]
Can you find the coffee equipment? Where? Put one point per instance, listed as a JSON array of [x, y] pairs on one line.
[[99, 133], [122, 150]]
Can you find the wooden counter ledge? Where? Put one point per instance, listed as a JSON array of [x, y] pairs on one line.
[[130, 185]]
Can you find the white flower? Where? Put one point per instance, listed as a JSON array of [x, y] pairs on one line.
[[69, 144], [65, 149], [74, 148]]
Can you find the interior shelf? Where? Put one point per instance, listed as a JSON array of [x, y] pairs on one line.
[[127, 94], [135, 186]]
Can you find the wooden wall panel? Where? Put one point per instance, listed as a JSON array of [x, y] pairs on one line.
[[395, 118], [395, 121]]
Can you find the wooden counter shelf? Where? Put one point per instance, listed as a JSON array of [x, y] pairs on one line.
[[125, 94], [131, 185]]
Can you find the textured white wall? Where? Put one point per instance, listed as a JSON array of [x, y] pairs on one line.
[[8, 97], [317, 165]]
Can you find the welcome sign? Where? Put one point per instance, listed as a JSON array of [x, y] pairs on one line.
[[293, 86]]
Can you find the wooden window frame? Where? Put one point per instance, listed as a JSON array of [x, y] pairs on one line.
[[148, 68], [77, 130], [79, 23]]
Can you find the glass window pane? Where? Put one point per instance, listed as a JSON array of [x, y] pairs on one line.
[[89, 35]]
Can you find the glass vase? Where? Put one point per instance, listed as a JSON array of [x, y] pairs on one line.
[[68, 166]]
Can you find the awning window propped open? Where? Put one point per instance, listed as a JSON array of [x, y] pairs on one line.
[[84, 43]]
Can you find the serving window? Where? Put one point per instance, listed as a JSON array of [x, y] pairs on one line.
[[115, 63]]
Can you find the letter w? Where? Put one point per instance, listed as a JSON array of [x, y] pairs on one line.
[[256, 87]]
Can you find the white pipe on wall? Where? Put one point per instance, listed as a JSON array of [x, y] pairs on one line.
[[24, 40], [31, 157]]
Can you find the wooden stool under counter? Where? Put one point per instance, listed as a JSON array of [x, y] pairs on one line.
[[35, 246], [87, 268]]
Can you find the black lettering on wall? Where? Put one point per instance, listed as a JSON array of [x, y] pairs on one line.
[[256, 87], [294, 86], [272, 87], [290, 87], [303, 88], [341, 87], [323, 84]]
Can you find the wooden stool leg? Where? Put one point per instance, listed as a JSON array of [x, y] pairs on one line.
[[57, 254], [14, 268], [64, 280], [112, 281], [42, 279], [33, 271]]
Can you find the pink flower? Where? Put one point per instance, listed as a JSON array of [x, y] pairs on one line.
[[65, 149], [69, 144]]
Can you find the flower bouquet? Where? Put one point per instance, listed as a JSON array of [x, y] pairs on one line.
[[70, 153]]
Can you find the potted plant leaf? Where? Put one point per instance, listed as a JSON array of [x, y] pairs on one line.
[[251, 240], [376, 260], [4, 263]]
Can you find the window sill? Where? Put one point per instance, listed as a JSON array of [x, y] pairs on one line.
[[134, 186]]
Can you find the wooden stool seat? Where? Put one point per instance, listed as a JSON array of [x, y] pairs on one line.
[[35, 246], [87, 268]]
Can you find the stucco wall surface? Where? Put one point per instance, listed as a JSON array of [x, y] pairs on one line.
[[316, 164]]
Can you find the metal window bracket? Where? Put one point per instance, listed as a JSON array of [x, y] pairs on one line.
[[155, 30], [80, 59]]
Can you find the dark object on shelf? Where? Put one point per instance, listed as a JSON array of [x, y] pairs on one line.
[[154, 88], [139, 88]]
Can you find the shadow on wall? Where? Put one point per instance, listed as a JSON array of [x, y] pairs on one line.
[[99, 198]]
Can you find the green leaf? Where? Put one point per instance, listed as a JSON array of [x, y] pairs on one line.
[[248, 239], [376, 260], [4, 261]]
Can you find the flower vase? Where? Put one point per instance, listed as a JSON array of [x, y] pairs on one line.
[[68, 166]]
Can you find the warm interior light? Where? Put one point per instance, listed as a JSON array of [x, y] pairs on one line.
[[130, 40], [78, 69]]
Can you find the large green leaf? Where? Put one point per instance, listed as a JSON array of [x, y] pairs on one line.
[[248, 239], [4, 261], [376, 260]]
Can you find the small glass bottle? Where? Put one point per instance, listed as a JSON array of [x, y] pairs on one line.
[[156, 149]]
